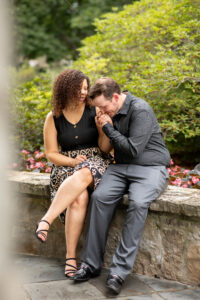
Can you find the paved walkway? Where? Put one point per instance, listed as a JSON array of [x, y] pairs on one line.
[[43, 279]]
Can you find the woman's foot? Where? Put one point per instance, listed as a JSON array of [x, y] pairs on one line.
[[41, 230], [70, 267]]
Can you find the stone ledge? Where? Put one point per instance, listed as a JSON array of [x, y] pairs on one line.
[[30, 183], [170, 245], [181, 201]]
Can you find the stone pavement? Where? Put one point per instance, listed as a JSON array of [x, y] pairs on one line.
[[42, 278]]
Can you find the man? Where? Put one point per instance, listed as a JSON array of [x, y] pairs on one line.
[[141, 170]]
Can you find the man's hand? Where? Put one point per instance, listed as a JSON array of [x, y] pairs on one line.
[[101, 119]]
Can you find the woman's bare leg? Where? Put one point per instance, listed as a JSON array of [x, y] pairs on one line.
[[67, 193], [74, 221]]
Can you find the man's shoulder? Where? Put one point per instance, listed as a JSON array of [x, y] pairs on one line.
[[139, 103]]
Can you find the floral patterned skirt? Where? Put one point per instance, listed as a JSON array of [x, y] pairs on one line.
[[96, 161]]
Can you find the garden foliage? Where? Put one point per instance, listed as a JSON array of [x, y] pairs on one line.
[[30, 104], [55, 28], [152, 49]]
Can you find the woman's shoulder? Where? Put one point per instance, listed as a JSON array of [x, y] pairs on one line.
[[49, 115], [51, 118], [49, 122]]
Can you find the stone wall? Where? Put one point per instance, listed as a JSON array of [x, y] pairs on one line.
[[169, 248]]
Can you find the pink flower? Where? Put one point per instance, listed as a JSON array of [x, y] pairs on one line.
[[48, 170], [184, 185], [39, 155], [185, 171], [25, 152], [27, 167], [36, 152], [171, 162], [175, 169], [39, 165], [195, 179], [32, 166], [31, 160], [178, 181]]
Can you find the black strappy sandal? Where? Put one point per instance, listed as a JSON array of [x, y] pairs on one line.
[[37, 232], [71, 271]]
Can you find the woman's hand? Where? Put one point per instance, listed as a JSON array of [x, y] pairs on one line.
[[103, 140], [98, 114], [78, 160], [101, 119]]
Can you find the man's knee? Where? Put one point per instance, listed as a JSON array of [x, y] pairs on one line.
[[99, 196], [138, 204]]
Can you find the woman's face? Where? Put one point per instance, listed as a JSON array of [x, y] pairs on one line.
[[84, 90]]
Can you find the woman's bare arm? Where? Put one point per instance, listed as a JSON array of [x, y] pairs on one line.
[[51, 146]]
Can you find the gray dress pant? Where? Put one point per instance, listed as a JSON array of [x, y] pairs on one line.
[[143, 184]]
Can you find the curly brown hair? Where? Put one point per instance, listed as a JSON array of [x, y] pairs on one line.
[[67, 89]]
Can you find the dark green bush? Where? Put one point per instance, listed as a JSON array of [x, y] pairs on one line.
[[152, 49], [55, 28]]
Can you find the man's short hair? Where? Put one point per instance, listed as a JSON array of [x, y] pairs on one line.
[[104, 86]]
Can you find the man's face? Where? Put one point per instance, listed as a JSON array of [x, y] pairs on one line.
[[107, 106]]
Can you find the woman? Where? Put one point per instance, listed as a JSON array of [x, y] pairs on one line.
[[78, 165]]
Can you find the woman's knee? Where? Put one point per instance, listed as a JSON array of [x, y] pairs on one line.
[[84, 174]]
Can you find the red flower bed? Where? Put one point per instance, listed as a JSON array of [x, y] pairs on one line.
[[178, 176], [32, 162]]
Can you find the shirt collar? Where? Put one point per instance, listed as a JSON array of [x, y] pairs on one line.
[[125, 107]]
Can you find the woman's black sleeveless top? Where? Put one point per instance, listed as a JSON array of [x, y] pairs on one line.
[[78, 136]]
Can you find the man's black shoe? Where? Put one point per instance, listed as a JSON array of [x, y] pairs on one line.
[[85, 273], [114, 283]]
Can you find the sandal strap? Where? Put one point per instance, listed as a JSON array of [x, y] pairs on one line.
[[44, 221], [71, 266], [73, 258], [41, 232], [70, 271]]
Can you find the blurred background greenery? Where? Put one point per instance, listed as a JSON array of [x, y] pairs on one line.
[[151, 47]]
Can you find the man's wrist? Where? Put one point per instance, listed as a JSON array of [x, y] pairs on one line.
[[107, 128], [104, 124]]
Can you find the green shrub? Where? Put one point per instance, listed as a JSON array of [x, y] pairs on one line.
[[30, 104], [152, 49]]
